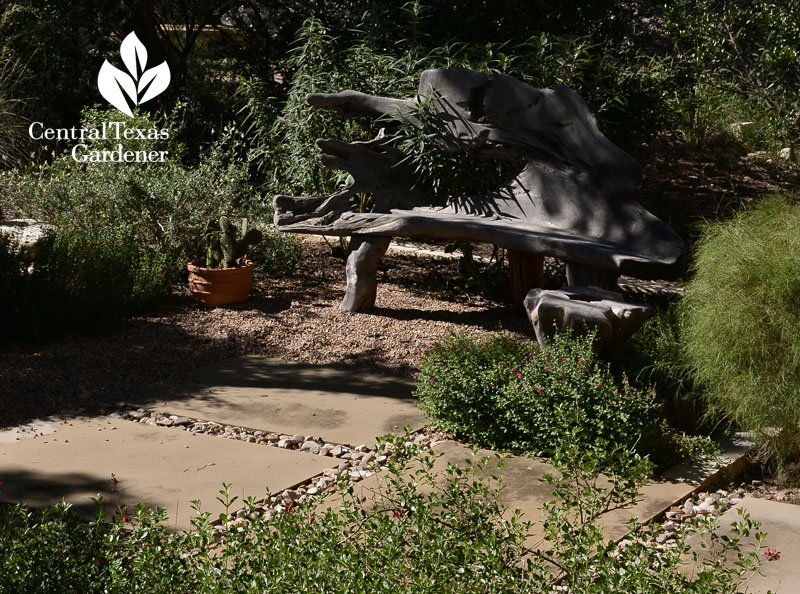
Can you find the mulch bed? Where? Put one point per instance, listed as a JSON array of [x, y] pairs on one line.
[[296, 319]]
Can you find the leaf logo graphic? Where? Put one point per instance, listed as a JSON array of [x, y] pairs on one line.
[[140, 85]]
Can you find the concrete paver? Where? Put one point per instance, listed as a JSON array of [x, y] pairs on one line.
[[781, 522], [154, 465], [732, 461], [341, 406], [34, 428], [523, 489]]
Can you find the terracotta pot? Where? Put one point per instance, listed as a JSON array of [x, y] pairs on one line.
[[220, 286]]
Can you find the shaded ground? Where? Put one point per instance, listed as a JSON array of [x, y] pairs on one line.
[[683, 189], [296, 319]]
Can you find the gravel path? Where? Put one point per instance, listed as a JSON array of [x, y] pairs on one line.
[[296, 319]]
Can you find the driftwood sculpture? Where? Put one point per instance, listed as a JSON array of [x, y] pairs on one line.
[[573, 199]]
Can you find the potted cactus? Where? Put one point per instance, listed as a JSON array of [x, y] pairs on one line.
[[226, 275]]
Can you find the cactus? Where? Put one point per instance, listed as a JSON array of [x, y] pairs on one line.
[[224, 246]]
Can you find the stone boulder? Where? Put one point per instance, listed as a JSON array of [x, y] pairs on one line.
[[27, 238], [582, 309]]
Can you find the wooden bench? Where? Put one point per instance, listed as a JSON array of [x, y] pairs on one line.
[[573, 199]]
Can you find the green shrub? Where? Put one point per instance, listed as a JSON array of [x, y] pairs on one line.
[[655, 356], [501, 393], [283, 135], [742, 327], [421, 533], [740, 62], [88, 280], [166, 204], [61, 46], [278, 254], [14, 141]]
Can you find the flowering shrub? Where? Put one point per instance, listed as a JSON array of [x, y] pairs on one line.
[[500, 393]]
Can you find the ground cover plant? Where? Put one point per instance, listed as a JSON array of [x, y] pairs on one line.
[[497, 391], [742, 326], [419, 532]]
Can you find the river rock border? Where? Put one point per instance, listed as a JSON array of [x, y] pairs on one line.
[[701, 505], [355, 462]]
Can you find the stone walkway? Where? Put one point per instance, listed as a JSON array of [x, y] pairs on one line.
[[212, 429], [269, 425]]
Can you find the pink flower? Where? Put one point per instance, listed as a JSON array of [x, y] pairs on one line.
[[541, 389], [519, 375], [290, 507], [433, 381], [772, 555], [597, 384], [126, 519], [312, 520]]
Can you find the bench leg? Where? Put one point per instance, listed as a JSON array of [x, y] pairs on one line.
[[583, 276], [362, 267], [527, 272]]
